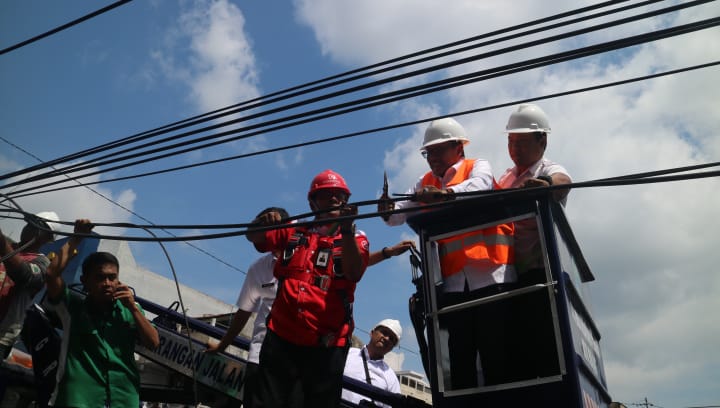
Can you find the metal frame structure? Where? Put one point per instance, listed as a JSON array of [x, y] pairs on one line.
[[577, 378]]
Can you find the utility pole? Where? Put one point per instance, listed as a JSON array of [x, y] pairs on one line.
[[645, 404]]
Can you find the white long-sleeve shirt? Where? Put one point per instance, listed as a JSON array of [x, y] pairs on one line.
[[481, 178], [474, 275], [381, 375]]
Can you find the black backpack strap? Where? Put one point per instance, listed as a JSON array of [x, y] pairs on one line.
[[367, 371]]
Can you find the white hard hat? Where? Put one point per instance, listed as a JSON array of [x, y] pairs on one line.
[[444, 130], [528, 118], [47, 217], [393, 325]]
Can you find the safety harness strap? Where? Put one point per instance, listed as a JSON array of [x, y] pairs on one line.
[[324, 282]]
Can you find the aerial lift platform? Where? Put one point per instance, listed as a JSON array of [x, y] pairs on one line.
[[553, 351]]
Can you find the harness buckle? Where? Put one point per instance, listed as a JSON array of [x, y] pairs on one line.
[[295, 240], [287, 255], [322, 282]]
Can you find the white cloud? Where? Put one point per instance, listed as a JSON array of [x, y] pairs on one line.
[[72, 204], [7, 165], [651, 247], [350, 32], [210, 53]]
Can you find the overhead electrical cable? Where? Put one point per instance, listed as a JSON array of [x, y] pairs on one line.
[[34, 220], [64, 26], [399, 95], [462, 41], [247, 106], [474, 195], [650, 177], [377, 130], [183, 311], [428, 88], [106, 198], [209, 116], [129, 225], [97, 161]]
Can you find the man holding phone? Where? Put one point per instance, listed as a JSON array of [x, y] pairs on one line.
[[98, 366]]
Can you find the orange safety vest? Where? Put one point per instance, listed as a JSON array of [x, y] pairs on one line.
[[494, 245]]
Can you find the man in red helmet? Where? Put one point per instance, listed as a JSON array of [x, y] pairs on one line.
[[310, 323]]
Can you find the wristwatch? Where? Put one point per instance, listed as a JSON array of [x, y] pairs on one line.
[[547, 179]]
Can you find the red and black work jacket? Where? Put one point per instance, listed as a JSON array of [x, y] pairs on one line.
[[314, 300]]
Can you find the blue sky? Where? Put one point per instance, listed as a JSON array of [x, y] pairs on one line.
[[149, 63]]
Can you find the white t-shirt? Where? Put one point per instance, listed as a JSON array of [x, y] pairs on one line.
[[381, 375], [257, 295], [527, 240]]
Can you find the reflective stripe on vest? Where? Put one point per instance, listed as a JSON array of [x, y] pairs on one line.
[[494, 245]]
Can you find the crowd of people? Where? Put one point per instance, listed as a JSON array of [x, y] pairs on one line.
[[303, 288]]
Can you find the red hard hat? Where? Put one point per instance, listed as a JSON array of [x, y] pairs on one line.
[[327, 179]]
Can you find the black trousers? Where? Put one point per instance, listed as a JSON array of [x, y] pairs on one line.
[[481, 331], [249, 383], [534, 333], [298, 376]]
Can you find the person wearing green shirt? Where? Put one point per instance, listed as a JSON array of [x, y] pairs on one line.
[[97, 365]]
